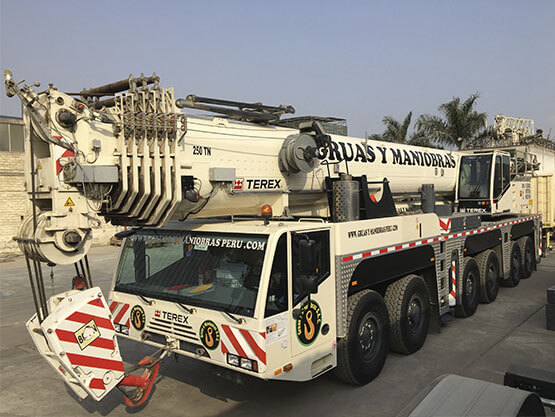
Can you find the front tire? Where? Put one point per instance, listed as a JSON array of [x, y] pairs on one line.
[[468, 289], [490, 278], [361, 354], [527, 254], [408, 304]]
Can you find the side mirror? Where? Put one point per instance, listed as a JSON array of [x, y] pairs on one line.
[[308, 284], [307, 256]]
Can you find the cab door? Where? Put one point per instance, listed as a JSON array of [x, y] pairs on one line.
[[312, 315]]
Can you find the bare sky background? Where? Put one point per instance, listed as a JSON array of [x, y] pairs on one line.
[[358, 60]]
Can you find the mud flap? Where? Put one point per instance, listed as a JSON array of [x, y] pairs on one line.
[[79, 341]]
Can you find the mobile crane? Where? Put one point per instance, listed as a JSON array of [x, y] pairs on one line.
[[275, 251]]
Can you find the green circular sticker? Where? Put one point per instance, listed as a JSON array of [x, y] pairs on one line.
[[209, 335], [308, 323], [138, 317]]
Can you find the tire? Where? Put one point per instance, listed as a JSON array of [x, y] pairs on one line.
[[468, 289], [408, 304], [528, 257], [488, 264], [515, 262], [361, 354]]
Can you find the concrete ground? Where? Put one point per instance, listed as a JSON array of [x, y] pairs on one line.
[[512, 329]]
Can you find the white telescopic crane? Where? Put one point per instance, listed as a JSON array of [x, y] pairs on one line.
[[317, 287]]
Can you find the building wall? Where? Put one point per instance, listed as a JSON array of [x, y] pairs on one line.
[[13, 207], [12, 198]]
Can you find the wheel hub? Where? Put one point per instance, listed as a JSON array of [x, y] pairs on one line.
[[368, 336], [528, 256], [367, 332], [414, 313], [469, 284], [515, 265], [492, 275]]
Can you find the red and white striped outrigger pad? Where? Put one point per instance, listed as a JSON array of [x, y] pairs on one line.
[[82, 340]]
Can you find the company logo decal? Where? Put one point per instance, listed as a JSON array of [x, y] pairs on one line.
[[340, 151], [242, 184], [166, 315], [87, 334], [138, 317], [238, 184], [308, 323], [209, 335]]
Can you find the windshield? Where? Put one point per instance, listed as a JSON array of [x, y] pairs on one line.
[[474, 177], [213, 270]]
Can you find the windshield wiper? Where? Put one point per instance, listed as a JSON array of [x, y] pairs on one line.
[[476, 191], [231, 316], [146, 300], [184, 307]]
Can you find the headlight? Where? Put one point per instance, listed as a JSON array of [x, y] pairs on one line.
[[246, 364], [232, 360]]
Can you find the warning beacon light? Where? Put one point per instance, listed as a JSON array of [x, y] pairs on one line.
[[266, 213]]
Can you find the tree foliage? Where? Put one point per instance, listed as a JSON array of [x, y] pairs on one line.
[[395, 131], [398, 132], [460, 125]]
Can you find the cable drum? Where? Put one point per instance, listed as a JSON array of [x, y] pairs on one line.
[[298, 154]]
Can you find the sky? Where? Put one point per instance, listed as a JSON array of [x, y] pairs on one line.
[[357, 60]]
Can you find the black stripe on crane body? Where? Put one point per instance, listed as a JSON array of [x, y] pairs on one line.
[[383, 269], [523, 229], [477, 243], [378, 272]]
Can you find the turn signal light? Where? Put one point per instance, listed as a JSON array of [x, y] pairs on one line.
[[288, 367]]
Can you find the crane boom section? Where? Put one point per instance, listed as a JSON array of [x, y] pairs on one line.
[[137, 160]]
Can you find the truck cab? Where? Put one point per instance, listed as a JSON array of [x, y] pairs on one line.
[[487, 184], [250, 297]]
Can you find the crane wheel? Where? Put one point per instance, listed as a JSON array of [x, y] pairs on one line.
[[468, 289], [361, 354], [527, 254], [488, 264], [408, 304], [515, 261]]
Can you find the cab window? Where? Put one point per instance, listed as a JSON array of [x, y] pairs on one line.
[[277, 299], [498, 178], [506, 171]]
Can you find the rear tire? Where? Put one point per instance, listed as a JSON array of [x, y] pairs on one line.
[[515, 266], [528, 258], [361, 354], [408, 304], [488, 264], [468, 289]]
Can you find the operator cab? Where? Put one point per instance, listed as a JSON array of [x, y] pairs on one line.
[[483, 183]]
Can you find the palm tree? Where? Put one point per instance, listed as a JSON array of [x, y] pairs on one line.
[[460, 125], [419, 138], [397, 132]]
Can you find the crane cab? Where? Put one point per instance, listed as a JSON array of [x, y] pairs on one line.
[[490, 184]]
